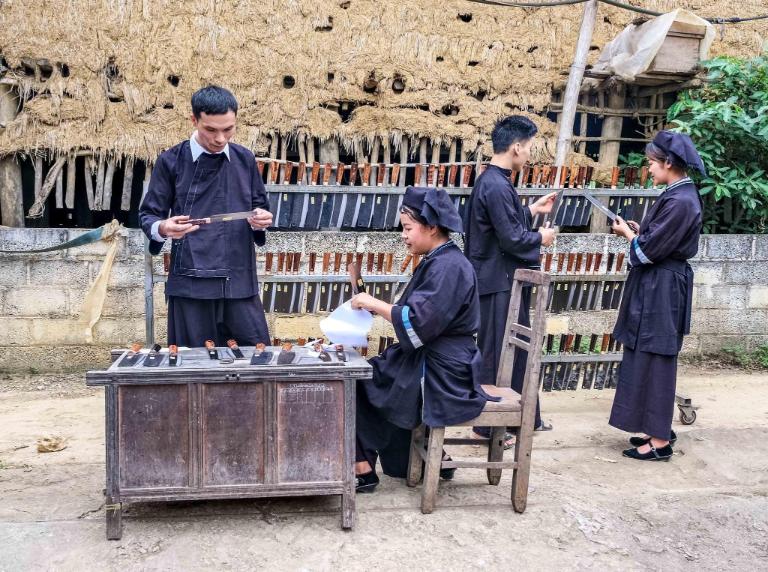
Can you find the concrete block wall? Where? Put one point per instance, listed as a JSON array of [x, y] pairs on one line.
[[41, 294]]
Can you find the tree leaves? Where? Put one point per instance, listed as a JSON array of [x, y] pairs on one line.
[[728, 121]]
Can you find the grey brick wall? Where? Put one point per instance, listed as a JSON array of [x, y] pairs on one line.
[[41, 294]]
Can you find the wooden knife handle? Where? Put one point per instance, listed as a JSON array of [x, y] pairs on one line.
[[406, 262], [326, 262], [287, 173], [382, 171], [369, 263], [312, 261], [315, 173], [441, 176], [395, 174], [452, 171], [340, 173], [268, 258], [366, 174], [327, 172], [301, 173], [353, 174], [466, 176], [571, 260], [280, 262], [614, 177]]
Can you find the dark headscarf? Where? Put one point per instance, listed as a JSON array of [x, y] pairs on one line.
[[434, 206], [678, 146]]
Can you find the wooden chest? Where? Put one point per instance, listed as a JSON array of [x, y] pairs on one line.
[[207, 430]]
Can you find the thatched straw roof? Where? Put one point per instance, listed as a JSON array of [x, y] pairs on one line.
[[132, 65]]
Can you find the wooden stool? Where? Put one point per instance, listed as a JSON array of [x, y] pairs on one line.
[[514, 409]]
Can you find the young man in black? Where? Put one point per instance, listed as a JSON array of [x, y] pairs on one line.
[[212, 287], [499, 239]]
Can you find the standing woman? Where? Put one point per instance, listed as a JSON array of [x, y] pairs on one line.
[[655, 312], [432, 375]]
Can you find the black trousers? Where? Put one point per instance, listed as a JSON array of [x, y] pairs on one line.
[[378, 439], [191, 321], [490, 339]]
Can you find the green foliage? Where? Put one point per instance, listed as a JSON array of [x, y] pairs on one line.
[[756, 359], [728, 121]]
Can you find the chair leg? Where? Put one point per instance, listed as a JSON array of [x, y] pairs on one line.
[[495, 453], [415, 464], [521, 474], [432, 469]]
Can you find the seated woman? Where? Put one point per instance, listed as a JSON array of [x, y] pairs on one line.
[[432, 374], [655, 311]]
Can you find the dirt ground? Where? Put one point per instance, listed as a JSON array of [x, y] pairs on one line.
[[588, 507]]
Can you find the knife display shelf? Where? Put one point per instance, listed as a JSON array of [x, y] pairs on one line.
[[369, 197]]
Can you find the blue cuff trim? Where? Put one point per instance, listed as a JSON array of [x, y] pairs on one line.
[[639, 252], [412, 336]]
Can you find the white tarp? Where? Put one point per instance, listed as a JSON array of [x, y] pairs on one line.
[[632, 51]]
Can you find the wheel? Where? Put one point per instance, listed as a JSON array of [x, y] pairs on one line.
[[687, 418]]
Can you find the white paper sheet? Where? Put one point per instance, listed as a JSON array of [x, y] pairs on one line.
[[347, 326]]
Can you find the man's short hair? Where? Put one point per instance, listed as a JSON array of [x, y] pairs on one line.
[[213, 100], [511, 130]]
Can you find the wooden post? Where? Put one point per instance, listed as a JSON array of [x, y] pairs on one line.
[[69, 198], [125, 198], [612, 124], [89, 193], [303, 157], [609, 150], [572, 89], [423, 161], [329, 153], [374, 161], [99, 184], [403, 160], [109, 174], [11, 196], [60, 190]]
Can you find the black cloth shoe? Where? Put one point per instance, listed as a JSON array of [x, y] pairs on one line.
[[367, 482], [640, 441], [447, 474], [662, 454], [544, 426]]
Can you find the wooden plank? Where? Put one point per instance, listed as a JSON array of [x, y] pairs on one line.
[[154, 441], [310, 431], [232, 417]]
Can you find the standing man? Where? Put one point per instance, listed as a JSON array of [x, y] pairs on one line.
[[499, 240], [212, 287]]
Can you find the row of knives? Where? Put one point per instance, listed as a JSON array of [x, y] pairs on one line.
[[283, 353], [299, 209], [565, 373], [460, 175]]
